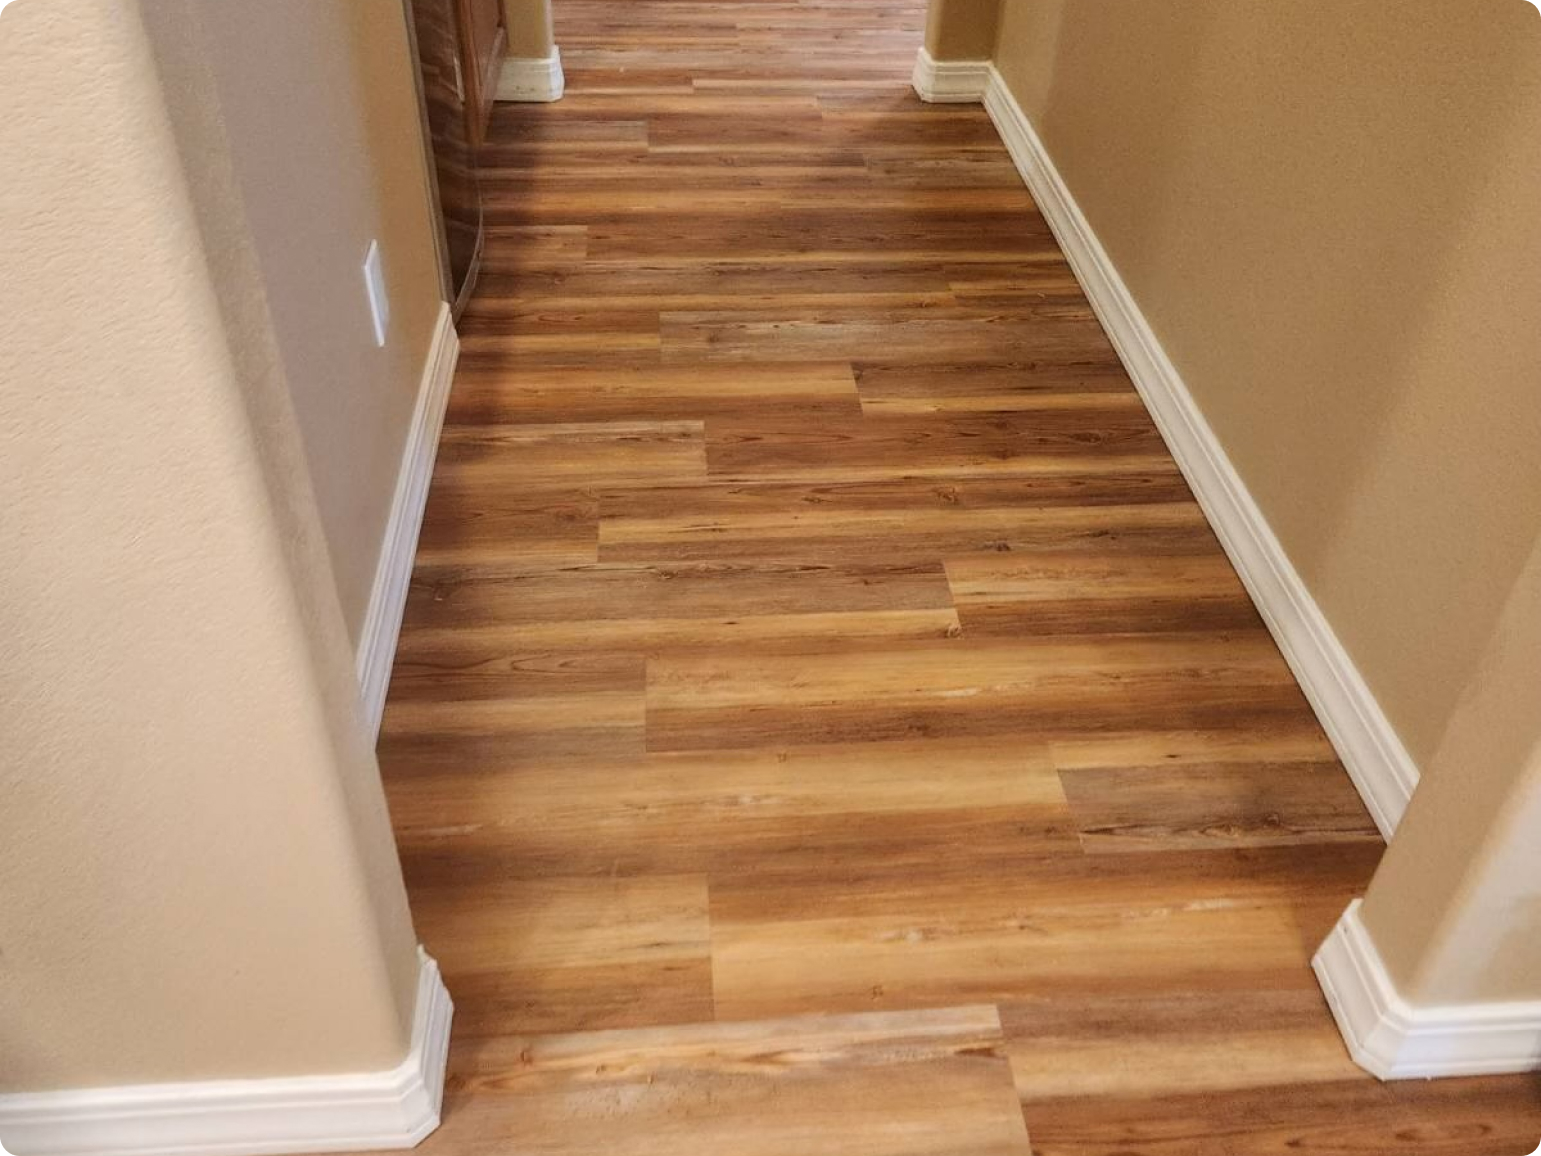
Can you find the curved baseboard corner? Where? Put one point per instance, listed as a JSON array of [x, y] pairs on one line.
[[1395, 1040], [532, 78], [393, 1109], [949, 81]]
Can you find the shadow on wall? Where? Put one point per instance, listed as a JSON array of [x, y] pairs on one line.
[[1330, 222]]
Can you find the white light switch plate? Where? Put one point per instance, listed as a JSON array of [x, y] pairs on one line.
[[374, 285]]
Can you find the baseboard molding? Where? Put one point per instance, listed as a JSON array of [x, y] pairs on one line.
[[393, 573], [949, 81], [532, 78], [1378, 763], [305, 1114], [1394, 1040]]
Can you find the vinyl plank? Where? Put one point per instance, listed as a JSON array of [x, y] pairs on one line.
[[1179, 790], [926, 519], [1077, 376], [467, 521], [1162, 1043], [572, 453], [1099, 591], [482, 618], [1498, 1117], [1111, 435], [965, 689], [1071, 927], [512, 596], [926, 1083], [726, 813], [1121, 809], [569, 954], [550, 727], [914, 336]]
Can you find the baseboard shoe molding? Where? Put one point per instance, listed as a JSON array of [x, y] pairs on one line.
[[532, 78], [1394, 1040], [949, 81], [392, 1109], [1382, 770], [393, 573]]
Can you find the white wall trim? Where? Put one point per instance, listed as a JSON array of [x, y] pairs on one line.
[[1394, 1040], [949, 81], [393, 573], [532, 78], [1378, 763], [343, 1113]]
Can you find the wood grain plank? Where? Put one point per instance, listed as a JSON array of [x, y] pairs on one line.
[[498, 457], [1099, 591], [1498, 1117], [926, 1083], [569, 954], [1132, 924], [475, 522], [787, 811], [542, 394], [957, 689], [1135, 1046], [1087, 438]]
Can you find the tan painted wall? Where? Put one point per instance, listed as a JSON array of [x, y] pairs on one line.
[[199, 879], [961, 29], [320, 112], [529, 28], [1327, 208], [1456, 908]]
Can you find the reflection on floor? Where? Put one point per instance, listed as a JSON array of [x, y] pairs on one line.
[[824, 724]]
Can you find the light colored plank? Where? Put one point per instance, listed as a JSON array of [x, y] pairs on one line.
[[926, 1083], [968, 689], [1070, 927], [569, 954], [899, 805]]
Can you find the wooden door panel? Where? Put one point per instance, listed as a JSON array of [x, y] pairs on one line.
[[484, 41]]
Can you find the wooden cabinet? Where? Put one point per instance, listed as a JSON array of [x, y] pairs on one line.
[[484, 42], [460, 46]]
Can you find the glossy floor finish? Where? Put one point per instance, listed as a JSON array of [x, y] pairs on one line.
[[824, 722]]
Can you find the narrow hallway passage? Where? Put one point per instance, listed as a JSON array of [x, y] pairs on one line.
[[824, 722]]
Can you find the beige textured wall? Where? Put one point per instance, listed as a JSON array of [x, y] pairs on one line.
[[529, 28], [320, 112], [961, 29], [199, 880], [1456, 907], [1327, 208]]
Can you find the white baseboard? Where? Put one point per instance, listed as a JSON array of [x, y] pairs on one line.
[[532, 78], [347, 1113], [393, 573], [949, 81], [1394, 1040], [1378, 763]]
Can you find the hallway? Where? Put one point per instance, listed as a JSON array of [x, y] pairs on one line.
[[824, 723]]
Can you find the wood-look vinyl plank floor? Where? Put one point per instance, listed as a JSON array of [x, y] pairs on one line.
[[925, 1083], [824, 722]]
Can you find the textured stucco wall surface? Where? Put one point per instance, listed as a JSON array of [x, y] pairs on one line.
[[196, 874], [320, 118]]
